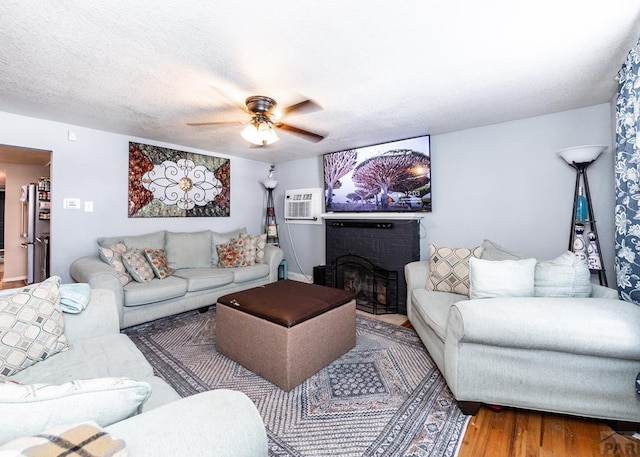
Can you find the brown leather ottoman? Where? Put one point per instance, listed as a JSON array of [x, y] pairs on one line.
[[287, 330]]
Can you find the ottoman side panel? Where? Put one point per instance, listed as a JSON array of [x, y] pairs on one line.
[[314, 344], [254, 343]]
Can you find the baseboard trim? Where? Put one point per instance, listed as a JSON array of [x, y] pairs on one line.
[[17, 278], [300, 278]]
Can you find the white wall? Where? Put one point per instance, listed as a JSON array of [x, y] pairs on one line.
[[502, 182], [95, 168]]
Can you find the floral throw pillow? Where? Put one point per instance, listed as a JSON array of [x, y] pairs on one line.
[[254, 247], [157, 259], [113, 256], [232, 254], [136, 264]]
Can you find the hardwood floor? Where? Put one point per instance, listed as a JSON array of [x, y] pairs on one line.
[[516, 433]]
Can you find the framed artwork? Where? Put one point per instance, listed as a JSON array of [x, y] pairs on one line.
[[165, 182]]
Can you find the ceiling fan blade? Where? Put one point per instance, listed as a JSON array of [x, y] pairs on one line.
[[307, 135], [214, 123], [242, 106], [305, 106]]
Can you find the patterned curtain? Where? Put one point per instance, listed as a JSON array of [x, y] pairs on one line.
[[627, 174]]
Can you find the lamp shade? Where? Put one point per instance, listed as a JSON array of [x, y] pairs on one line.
[[270, 183], [582, 154], [259, 133]]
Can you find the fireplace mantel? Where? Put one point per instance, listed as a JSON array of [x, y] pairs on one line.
[[382, 215]]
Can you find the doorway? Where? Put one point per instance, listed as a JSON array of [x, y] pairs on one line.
[[21, 166]]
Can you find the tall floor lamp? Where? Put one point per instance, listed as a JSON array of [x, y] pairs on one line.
[[580, 157], [270, 223]]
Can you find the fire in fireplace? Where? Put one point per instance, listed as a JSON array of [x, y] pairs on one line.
[[375, 289]]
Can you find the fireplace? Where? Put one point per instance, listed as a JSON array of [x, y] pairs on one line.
[[386, 246], [375, 289]]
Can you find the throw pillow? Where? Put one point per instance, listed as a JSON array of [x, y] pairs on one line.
[[158, 261], [223, 238], [189, 249], [30, 408], [136, 264], [501, 278], [113, 256], [449, 268], [231, 254], [85, 439], [254, 247], [564, 276], [492, 251], [31, 326]]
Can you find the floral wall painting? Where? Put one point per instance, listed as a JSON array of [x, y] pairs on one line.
[[168, 183]]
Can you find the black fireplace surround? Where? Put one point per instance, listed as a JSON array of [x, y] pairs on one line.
[[387, 244]]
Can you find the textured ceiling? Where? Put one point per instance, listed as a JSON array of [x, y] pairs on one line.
[[381, 70]]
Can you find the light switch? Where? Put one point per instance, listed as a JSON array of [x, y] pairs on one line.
[[88, 207]]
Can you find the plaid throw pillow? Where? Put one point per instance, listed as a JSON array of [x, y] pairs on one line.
[[86, 439], [449, 268]]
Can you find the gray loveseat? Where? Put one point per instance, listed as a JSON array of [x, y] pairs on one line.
[[196, 282], [114, 386], [569, 355]]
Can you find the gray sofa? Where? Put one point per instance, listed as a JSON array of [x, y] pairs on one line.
[[219, 422], [197, 281], [569, 355]]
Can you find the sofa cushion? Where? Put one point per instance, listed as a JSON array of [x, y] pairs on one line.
[[157, 259], [204, 278], [113, 256], [501, 278], [189, 249], [250, 273], [136, 294], [434, 307], [31, 408], [449, 268], [31, 326], [223, 238], [564, 276], [493, 251], [137, 265], [254, 247], [154, 240], [232, 254], [113, 355], [84, 439]]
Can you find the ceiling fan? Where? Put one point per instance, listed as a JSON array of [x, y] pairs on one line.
[[260, 130]]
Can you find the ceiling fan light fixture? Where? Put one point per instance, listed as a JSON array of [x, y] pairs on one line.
[[260, 133]]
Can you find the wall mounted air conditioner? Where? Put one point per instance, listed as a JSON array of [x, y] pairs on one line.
[[303, 206]]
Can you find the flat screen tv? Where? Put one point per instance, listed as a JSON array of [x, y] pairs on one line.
[[386, 177]]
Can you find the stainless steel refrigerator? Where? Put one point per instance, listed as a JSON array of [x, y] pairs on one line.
[[34, 229]]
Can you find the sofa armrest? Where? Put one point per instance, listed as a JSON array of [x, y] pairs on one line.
[[99, 275], [99, 318], [222, 423], [273, 255], [416, 274], [598, 291]]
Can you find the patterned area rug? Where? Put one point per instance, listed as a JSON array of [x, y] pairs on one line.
[[385, 397]]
